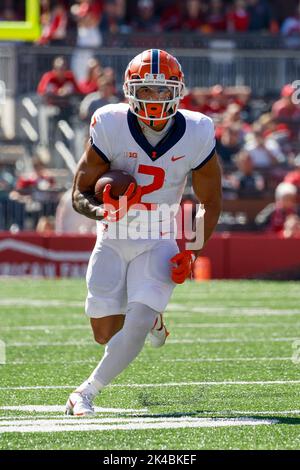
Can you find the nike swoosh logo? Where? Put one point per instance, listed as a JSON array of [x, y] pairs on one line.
[[115, 212], [177, 158]]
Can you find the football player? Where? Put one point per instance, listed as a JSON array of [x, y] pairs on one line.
[[130, 281]]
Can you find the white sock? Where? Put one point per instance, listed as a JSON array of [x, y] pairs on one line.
[[90, 387], [122, 348]]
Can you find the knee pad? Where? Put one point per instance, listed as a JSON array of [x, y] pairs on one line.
[[139, 319]]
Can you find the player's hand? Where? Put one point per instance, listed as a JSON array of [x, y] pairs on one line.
[[183, 266], [115, 209]]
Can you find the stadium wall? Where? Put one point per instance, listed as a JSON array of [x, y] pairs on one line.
[[233, 256]]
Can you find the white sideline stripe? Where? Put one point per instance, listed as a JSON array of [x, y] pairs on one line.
[[233, 325], [220, 297], [258, 413], [251, 311], [214, 359], [94, 419], [175, 325], [230, 313], [230, 359], [54, 255], [168, 384], [40, 303], [61, 408], [234, 311], [231, 340], [120, 424], [247, 413], [49, 327], [170, 341]]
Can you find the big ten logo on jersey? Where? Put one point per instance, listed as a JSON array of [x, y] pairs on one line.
[[130, 154]]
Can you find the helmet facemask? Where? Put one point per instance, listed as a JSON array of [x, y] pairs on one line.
[[153, 99]]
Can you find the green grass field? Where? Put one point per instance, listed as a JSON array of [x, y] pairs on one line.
[[226, 379]]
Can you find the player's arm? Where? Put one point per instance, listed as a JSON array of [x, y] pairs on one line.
[[206, 182], [89, 170], [207, 187]]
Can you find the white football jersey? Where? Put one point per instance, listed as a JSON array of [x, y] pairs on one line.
[[161, 170]]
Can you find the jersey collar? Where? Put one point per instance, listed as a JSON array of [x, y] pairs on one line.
[[175, 133]]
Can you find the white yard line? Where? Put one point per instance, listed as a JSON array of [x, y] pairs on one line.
[[61, 408], [40, 303], [48, 327], [234, 325], [229, 359], [78, 361], [234, 313], [257, 413], [232, 340], [170, 341], [175, 325], [213, 359], [172, 307], [123, 424], [168, 384], [60, 416]]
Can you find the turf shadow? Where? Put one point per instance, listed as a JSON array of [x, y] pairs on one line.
[[279, 419]]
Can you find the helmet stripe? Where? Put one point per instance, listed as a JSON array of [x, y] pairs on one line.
[[155, 61]]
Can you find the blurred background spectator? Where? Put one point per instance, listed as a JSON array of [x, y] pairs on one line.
[[87, 14], [293, 176], [216, 18], [90, 83], [113, 18], [106, 94], [290, 28], [260, 151], [238, 18], [46, 225], [285, 111], [247, 182], [194, 17], [257, 135], [88, 19], [171, 16], [69, 221], [145, 19], [273, 217], [291, 227], [229, 142], [259, 12], [54, 22], [58, 86]]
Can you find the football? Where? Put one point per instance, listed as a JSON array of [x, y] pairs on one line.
[[119, 181]]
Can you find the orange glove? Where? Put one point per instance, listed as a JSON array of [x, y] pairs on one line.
[[115, 209], [183, 268]]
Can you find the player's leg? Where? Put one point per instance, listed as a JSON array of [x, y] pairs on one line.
[[149, 288], [125, 345], [105, 304], [120, 351], [105, 328], [156, 286]]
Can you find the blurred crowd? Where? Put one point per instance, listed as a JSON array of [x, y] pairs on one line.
[[258, 145], [258, 141], [91, 18]]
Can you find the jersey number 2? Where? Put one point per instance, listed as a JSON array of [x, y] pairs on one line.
[[158, 181]]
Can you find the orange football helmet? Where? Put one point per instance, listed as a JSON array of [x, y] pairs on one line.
[[160, 73]]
